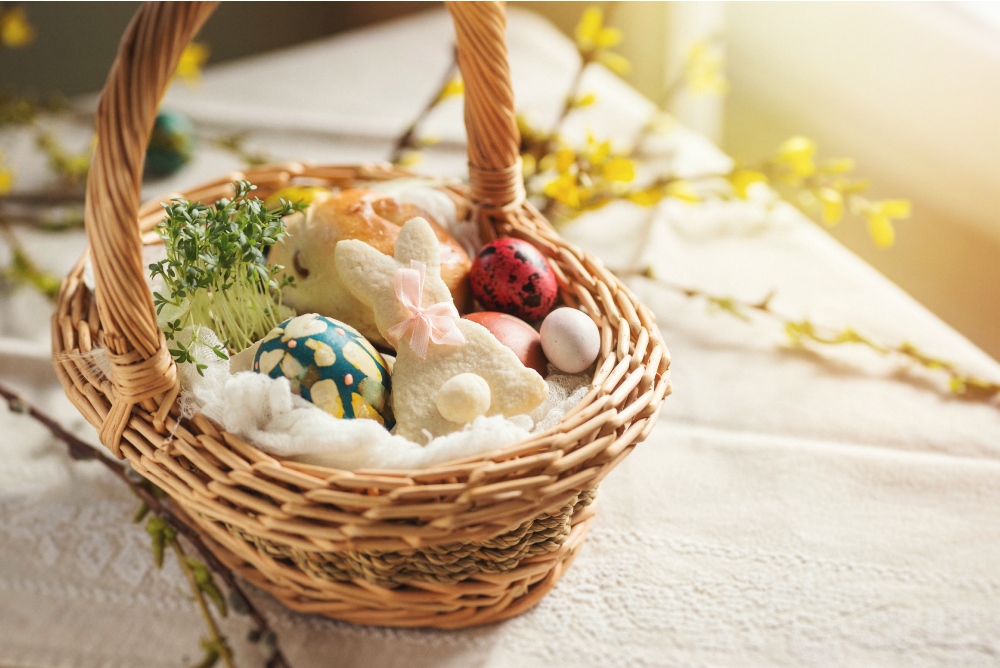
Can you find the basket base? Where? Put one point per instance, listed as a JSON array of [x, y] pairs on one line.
[[482, 599]]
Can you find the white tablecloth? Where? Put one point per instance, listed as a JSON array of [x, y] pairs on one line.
[[788, 509]]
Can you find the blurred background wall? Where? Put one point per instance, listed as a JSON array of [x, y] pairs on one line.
[[76, 41], [911, 91]]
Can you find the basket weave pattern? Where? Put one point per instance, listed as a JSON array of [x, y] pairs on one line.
[[463, 543]]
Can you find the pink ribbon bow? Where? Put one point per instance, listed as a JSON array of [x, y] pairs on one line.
[[435, 323]]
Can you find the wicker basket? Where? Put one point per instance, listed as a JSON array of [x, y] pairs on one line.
[[464, 543]]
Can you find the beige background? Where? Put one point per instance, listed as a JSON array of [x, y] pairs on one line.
[[912, 92]]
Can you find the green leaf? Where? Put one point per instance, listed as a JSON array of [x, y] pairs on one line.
[[140, 514], [207, 585], [161, 534], [211, 657], [154, 527]]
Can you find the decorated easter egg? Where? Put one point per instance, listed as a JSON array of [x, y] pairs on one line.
[[510, 275], [570, 339], [171, 144], [515, 334], [329, 364]]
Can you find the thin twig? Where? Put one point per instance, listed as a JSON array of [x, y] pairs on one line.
[[43, 218], [43, 198], [586, 58], [224, 652], [407, 140], [551, 142], [235, 143], [800, 331], [81, 450], [22, 267]]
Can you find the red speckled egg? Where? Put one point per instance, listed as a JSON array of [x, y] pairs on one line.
[[511, 276], [515, 334]]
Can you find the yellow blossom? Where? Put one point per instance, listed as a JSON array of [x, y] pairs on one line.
[[547, 162], [15, 31], [586, 30], [880, 216], [565, 159], [585, 100], [591, 33], [849, 187], [742, 179], [564, 190], [618, 169], [304, 195], [703, 69], [528, 165], [409, 159], [797, 153], [6, 180], [894, 208], [615, 62], [881, 230], [453, 88], [597, 151], [192, 61], [831, 206], [647, 196], [683, 191], [839, 166]]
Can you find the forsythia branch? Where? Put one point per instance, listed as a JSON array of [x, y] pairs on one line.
[[802, 332], [403, 150], [236, 145], [23, 269]]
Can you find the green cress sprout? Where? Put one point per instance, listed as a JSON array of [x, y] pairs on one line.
[[216, 274]]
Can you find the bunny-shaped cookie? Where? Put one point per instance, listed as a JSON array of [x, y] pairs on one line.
[[433, 345]]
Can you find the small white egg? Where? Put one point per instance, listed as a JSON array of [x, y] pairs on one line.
[[463, 398], [570, 339]]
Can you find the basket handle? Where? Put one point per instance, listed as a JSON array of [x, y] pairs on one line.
[[493, 138], [141, 366]]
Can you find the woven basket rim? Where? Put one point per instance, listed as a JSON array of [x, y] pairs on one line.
[[474, 498]]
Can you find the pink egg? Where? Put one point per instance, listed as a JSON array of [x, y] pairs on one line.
[[515, 334], [511, 276]]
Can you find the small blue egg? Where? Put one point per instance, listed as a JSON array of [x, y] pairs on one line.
[[329, 364], [171, 144]]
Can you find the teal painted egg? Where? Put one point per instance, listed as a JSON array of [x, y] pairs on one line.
[[171, 144], [329, 364]]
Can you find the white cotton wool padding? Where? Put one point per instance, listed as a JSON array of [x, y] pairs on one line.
[[265, 412]]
